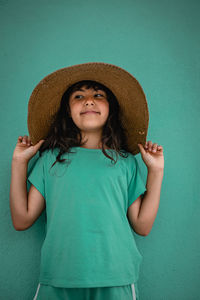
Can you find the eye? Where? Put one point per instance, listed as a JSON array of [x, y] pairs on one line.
[[100, 95], [77, 96]]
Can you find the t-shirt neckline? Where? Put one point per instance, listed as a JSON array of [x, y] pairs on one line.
[[88, 149]]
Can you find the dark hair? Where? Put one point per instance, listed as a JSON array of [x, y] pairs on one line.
[[64, 133]]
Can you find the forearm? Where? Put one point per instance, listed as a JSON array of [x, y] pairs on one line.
[[150, 202], [18, 193]]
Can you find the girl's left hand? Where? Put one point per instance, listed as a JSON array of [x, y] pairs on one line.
[[152, 155]]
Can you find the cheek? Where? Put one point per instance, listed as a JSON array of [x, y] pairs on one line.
[[75, 108], [105, 108]]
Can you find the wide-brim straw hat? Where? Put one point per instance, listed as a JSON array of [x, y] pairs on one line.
[[45, 99]]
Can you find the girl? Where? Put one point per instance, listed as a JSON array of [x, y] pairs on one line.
[[88, 180]]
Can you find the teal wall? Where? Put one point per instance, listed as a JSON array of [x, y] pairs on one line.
[[158, 42]]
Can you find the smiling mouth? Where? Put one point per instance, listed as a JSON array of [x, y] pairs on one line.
[[90, 112]]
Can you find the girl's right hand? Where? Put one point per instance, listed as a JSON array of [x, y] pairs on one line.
[[24, 149]]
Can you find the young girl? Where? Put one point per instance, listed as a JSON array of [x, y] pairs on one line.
[[88, 180]]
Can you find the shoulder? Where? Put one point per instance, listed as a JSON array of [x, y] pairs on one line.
[[43, 155], [132, 164], [42, 159], [131, 159], [48, 154]]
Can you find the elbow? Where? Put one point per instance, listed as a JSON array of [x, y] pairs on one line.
[[140, 232], [19, 227], [140, 229], [145, 233], [22, 227], [144, 230], [19, 222]]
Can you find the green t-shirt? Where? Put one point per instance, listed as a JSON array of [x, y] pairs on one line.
[[89, 241]]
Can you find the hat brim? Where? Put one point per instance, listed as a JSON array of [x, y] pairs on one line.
[[46, 96]]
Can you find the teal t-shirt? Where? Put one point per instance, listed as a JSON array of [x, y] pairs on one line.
[[89, 241]]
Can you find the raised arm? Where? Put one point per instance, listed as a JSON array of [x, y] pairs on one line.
[[25, 208], [142, 212]]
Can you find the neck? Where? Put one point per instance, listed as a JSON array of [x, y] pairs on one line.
[[91, 140]]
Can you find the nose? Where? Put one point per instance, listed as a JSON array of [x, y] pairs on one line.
[[89, 100]]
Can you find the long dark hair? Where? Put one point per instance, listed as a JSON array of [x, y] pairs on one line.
[[64, 133]]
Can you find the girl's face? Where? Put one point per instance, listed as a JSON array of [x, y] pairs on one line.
[[84, 100]]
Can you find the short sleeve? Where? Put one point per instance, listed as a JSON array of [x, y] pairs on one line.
[[36, 175], [136, 186]]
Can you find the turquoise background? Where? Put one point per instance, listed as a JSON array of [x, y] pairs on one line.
[[158, 42]]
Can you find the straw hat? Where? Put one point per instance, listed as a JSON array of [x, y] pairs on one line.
[[45, 99]]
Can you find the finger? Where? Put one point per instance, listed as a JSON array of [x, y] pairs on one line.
[[160, 148], [149, 145], [154, 147], [19, 139], [38, 144], [141, 148], [24, 139]]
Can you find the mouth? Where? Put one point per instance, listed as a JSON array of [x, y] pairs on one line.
[[90, 112]]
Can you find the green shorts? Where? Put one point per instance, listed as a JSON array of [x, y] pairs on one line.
[[125, 292]]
